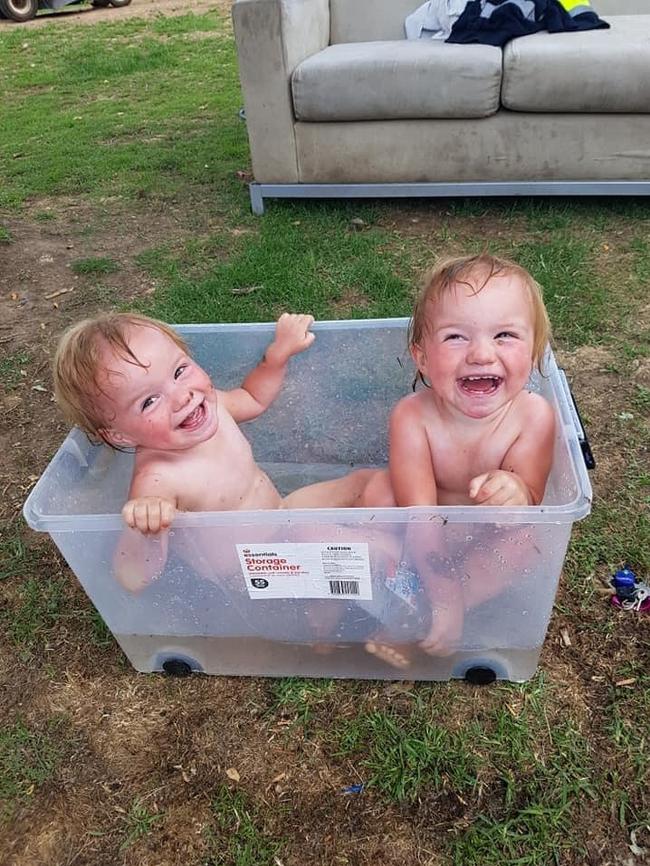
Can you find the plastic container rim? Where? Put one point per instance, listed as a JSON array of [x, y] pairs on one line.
[[566, 513]]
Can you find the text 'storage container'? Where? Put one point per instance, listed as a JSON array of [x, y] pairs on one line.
[[282, 593]]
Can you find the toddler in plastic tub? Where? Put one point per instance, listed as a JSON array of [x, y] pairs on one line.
[[475, 435], [129, 381]]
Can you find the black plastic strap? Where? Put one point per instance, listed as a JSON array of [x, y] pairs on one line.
[[587, 453]]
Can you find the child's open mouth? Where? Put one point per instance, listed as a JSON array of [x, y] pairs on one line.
[[480, 385], [195, 419]]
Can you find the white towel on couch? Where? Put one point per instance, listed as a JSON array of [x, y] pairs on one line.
[[434, 19]]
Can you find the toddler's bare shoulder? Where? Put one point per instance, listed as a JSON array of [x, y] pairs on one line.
[[155, 476], [409, 408], [535, 411]]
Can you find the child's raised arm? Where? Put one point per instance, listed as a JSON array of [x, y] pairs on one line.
[[262, 385]]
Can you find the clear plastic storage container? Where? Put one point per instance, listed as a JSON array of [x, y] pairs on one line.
[[280, 593]]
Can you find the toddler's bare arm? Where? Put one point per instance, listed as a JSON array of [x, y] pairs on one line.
[[521, 478], [262, 385], [410, 460], [152, 499], [149, 512], [137, 560]]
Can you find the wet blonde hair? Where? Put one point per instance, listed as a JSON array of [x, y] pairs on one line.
[[78, 364], [443, 277]]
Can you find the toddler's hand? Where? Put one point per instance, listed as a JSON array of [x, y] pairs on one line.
[[498, 488], [149, 514], [292, 335]]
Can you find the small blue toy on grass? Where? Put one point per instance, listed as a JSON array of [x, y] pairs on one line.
[[630, 592]]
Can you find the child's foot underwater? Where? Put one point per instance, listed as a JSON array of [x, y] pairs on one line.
[[442, 639], [396, 655]]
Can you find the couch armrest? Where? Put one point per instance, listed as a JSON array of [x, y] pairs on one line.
[[273, 36]]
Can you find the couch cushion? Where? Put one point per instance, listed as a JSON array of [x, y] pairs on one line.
[[594, 71], [389, 80]]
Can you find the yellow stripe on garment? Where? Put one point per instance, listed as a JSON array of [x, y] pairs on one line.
[[571, 4]]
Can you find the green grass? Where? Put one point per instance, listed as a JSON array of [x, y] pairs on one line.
[[576, 300], [612, 536], [313, 264], [403, 756], [12, 369], [28, 758], [16, 558], [641, 399], [518, 782], [300, 698], [5, 235], [41, 605], [97, 265], [119, 109], [139, 821], [236, 835], [627, 714]]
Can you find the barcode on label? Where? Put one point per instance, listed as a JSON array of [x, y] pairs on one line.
[[344, 587]]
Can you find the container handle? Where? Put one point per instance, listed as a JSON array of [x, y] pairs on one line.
[[585, 447]]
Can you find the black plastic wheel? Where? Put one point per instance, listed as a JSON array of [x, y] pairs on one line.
[[177, 668], [19, 10], [480, 675]]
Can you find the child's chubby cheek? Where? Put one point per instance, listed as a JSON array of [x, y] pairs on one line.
[[211, 393]]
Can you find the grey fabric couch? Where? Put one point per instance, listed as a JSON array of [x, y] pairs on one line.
[[339, 104]]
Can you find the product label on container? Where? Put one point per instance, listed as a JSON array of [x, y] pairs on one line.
[[306, 570]]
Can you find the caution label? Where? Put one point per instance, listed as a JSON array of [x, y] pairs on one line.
[[306, 570]]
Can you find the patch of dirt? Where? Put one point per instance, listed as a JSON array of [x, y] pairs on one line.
[[40, 295]]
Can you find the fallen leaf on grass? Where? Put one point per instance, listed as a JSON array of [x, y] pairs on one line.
[[564, 637], [628, 682], [232, 774]]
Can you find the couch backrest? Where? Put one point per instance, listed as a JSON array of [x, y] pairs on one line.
[[371, 20], [368, 20]]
